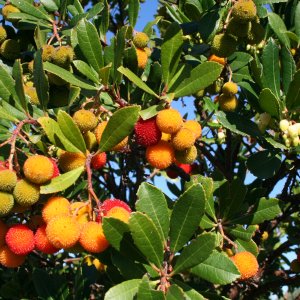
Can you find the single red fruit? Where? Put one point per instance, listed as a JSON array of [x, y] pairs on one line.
[[185, 167], [56, 170], [98, 161], [110, 203]]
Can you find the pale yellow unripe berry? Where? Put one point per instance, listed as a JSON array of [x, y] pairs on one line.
[[284, 125]]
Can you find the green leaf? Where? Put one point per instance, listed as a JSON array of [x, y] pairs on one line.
[[152, 201], [94, 10], [137, 81], [297, 19], [171, 51], [133, 11], [61, 182], [71, 130], [123, 291], [40, 80], [175, 293], [30, 9], [260, 2], [86, 70], [240, 232], [4, 114], [195, 252], [146, 292], [293, 95], [151, 245], [104, 20], [55, 135], [187, 213], [269, 103], [151, 111], [271, 71], [89, 44], [238, 124], [264, 164], [278, 26], [68, 76], [201, 77], [119, 126], [40, 37], [50, 5], [189, 293], [239, 60], [218, 268], [249, 246]]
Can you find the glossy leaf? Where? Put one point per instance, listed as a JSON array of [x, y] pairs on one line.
[[189, 293], [279, 28], [61, 182], [269, 103], [247, 246], [293, 95], [4, 114], [175, 293], [123, 291], [86, 70], [133, 11], [119, 126], [186, 215], [288, 68], [7, 84], [146, 292]]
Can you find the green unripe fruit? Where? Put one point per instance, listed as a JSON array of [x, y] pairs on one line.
[[10, 49], [3, 34], [90, 140], [187, 156], [228, 102], [244, 11], [63, 56], [8, 9], [6, 203], [26, 193], [8, 180], [237, 29], [284, 125], [230, 88], [223, 45], [140, 40], [47, 52], [85, 120], [256, 34]]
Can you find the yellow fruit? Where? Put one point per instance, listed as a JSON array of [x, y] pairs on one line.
[[217, 59], [8, 180], [10, 260], [228, 103], [140, 40], [194, 126], [30, 91], [3, 34], [256, 34], [85, 120], [63, 232], [38, 169], [187, 156], [230, 88], [142, 58], [92, 238], [169, 120], [81, 211], [55, 206], [120, 213], [183, 139], [26, 193], [90, 140], [8, 9], [265, 235], [10, 49], [69, 161], [47, 52], [223, 45], [237, 29], [244, 11], [229, 252], [63, 56], [99, 265], [161, 155], [121, 145], [6, 203], [246, 263], [166, 137]]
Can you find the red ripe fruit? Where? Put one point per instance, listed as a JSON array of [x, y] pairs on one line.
[[20, 239], [110, 203], [42, 242], [147, 132], [98, 161], [55, 168], [185, 167]]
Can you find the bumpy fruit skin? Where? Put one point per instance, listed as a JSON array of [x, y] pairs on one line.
[[10, 260], [8, 9], [223, 45], [244, 11], [10, 49], [142, 58], [6, 203], [161, 155], [63, 56], [63, 232], [140, 40], [69, 161], [98, 161], [30, 91], [85, 120], [119, 213], [169, 120], [230, 88], [215, 58], [194, 126], [8, 180], [47, 52], [55, 206], [228, 103], [55, 168], [256, 34], [42, 242], [240, 30], [90, 140], [183, 139], [20, 239], [187, 156], [108, 204], [38, 169], [147, 132], [92, 238], [81, 211], [246, 263], [3, 34], [26, 193], [3, 231]]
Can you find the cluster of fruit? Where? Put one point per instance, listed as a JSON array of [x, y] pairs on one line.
[[244, 26], [73, 227], [168, 139], [140, 41], [290, 132], [228, 100], [10, 47]]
